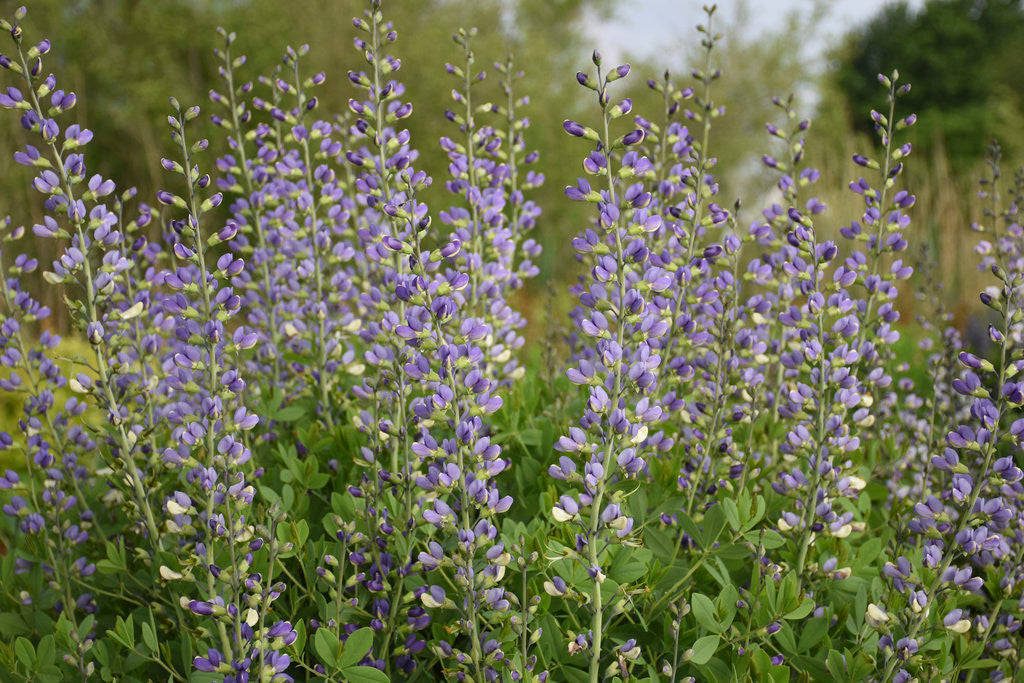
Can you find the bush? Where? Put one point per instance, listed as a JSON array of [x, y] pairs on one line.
[[304, 438]]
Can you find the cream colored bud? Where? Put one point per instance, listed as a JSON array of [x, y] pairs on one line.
[[175, 508], [876, 615], [843, 531], [641, 434], [429, 601], [132, 312], [560, 514], [168, 574], [962, 626]]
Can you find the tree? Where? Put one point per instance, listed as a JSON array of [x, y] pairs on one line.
[[964, 58]]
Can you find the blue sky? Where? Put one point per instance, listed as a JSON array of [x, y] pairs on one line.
[[645, 28]]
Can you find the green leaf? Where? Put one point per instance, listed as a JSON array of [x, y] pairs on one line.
[[629, 565], [812, 633], [124, 632], [149, 637], [869, 552], [318, 481], [85, 625], [108, 567], [802, 610], [689, 527], [364, 674], [11, 625], [25, 652], [836, 665], [289, 414], [574, 675], [327, 647], [300, 639], [732, 513], [812, 666], [786, 639], [760, 660], [704, 612], [356, 647], [102, 653], [727, 605], [531, 437], [660, 542], [770, 596], [860, 606], [980, 664], [49, 674], [731, 551], [46, 651], [756, 515], [704, 649], [299, 533], [714, 523], [769, 538]]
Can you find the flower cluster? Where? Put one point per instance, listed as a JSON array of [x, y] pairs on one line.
[[296, 434]]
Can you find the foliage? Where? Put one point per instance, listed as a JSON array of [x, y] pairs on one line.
[[964, 58], [303, 437]]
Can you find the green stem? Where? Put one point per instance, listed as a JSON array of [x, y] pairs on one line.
[[213, 371], [257, 218], [594, 526], [320, 343]]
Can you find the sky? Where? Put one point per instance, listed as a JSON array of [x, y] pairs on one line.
[[645, 28]]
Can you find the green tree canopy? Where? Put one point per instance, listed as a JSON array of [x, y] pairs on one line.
[[964, 58]]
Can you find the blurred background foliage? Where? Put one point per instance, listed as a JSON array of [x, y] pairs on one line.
[[964, 57]]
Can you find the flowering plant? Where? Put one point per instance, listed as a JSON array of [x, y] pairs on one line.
[[300, 437]]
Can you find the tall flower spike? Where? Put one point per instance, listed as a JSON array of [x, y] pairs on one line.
[[246, 178], [318, 195], [924, 413], [485, 177], [385, 183], [521, 214], [768, 272], [620, 370], [686, 246], [445, 360], [214, 514], [818, 390]]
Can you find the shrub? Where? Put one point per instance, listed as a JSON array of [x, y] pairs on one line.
[[302, 438]]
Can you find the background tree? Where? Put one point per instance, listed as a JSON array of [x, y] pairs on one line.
[[964, 58]]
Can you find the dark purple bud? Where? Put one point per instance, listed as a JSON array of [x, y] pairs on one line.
[[573, 128], [633, 137]]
